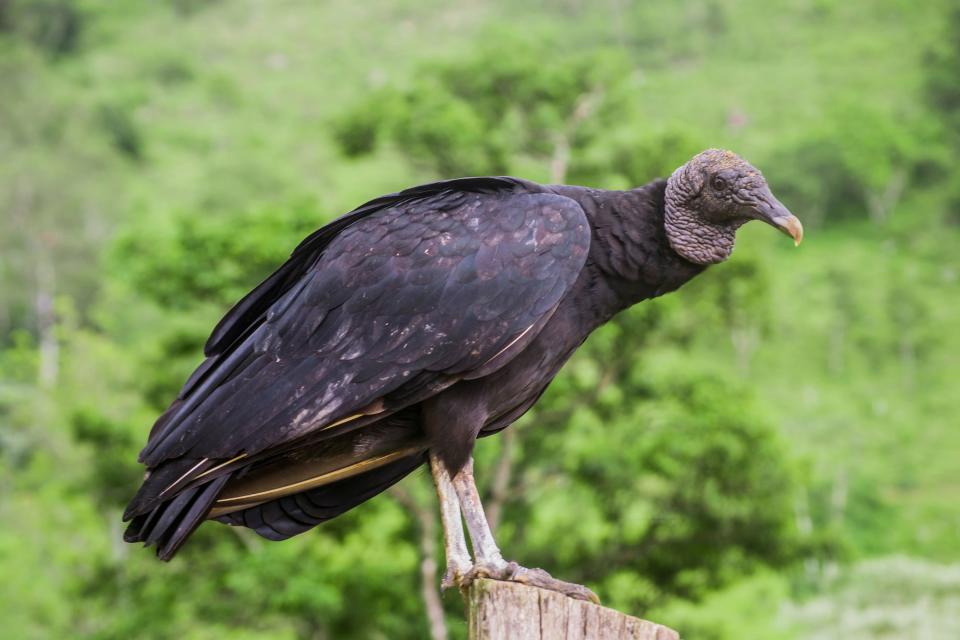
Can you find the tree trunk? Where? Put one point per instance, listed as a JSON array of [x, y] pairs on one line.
[[499, 492], [880, 205], [49, 369], [426, 519], [507, 610]]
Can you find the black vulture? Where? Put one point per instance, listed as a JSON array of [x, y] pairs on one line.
[[401, 332]]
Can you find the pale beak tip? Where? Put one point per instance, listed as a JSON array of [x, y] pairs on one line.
[[791, 226], [772, 211]]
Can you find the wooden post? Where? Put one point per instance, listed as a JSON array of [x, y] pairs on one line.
[[510, 611]]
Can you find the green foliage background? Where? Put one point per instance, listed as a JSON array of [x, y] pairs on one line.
[[769, 453]]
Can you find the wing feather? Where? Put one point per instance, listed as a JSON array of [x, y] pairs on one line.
[[418, 288]]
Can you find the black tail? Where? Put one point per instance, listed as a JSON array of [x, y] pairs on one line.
[[170, 523], [286, 517]]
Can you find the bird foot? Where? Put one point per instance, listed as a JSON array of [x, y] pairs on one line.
[[454, 576], [513, 572]]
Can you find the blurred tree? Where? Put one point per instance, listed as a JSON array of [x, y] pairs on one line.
[[202, 256], [54, 26], [943, 94], [943, 79], [624, 157], [48, 168], [491, 113], [858, 165]]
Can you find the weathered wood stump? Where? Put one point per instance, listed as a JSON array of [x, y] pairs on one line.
[[509, 611]]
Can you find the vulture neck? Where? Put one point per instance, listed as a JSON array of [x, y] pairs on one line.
[[630, 254]]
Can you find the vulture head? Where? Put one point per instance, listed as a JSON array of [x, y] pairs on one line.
[[710, 197]]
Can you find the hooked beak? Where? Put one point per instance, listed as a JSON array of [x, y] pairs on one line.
[[772, 211]]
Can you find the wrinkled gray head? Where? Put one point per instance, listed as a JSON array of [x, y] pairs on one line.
[[710, 197]]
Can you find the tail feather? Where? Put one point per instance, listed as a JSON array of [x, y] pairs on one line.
[[163, 483], [169, 524], [293, 514]]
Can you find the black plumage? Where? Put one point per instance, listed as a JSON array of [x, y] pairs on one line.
[[413, 324]]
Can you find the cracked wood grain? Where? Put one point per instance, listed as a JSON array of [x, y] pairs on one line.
[[506, 610]]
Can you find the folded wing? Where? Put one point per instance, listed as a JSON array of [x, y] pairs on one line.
[[380, 309]]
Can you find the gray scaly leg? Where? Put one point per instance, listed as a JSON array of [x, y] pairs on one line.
[[455, 544], [489, 561]]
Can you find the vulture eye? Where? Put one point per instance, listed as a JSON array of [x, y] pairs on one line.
[[718, 183]]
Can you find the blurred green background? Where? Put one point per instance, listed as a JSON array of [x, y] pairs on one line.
[[770, 453]]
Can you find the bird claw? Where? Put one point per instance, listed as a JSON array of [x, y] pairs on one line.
[[513, 572], [454, 577]]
